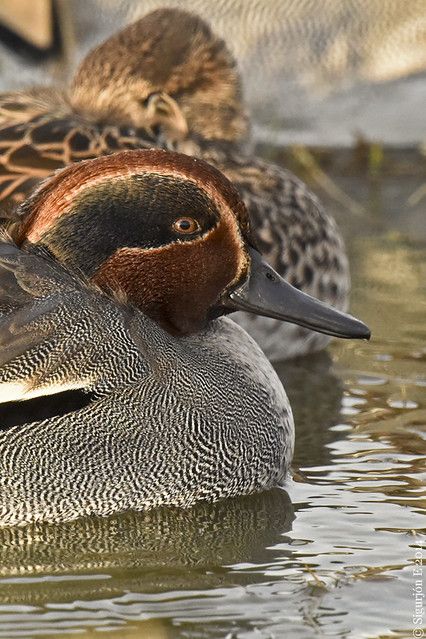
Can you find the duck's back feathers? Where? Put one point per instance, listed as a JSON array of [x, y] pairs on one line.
[[53, 329], [40, 133], [29, 290]]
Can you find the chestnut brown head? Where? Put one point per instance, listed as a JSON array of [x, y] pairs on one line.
[[166, 69], [167, 230]]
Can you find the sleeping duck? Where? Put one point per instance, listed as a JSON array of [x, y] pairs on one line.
[[168, 81]]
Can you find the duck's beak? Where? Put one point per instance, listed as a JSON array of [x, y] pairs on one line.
[[264, 292]]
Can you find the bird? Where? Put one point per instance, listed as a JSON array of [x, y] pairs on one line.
[[117, 284], [168, 81]]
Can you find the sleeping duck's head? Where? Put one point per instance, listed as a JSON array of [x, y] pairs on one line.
[[167, 69], [171, 233]]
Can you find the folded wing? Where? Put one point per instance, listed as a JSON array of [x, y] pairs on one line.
[[58, 333]]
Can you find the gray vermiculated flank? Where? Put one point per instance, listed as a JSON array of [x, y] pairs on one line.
[[173, 421]]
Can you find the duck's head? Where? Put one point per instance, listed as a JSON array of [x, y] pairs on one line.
[[168, 69], [172, 234]]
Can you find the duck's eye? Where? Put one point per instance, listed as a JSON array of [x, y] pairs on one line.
[[185, 225]]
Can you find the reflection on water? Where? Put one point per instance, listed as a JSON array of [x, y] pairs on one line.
[[184, 546], [330, 556]]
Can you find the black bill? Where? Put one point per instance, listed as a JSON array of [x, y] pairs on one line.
[[264, 292]]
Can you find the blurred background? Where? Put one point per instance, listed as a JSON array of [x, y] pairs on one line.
[[317, 73]]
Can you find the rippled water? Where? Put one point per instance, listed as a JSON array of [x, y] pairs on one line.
[[330, 556]]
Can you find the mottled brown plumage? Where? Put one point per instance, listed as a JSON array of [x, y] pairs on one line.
[[167, 71], [168, 51]]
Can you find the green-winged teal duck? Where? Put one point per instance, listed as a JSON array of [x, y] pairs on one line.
[[123, 269]]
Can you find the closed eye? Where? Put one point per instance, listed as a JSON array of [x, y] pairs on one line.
[[149, 99]]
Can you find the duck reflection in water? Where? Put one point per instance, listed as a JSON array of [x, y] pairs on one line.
[[189, 549]]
